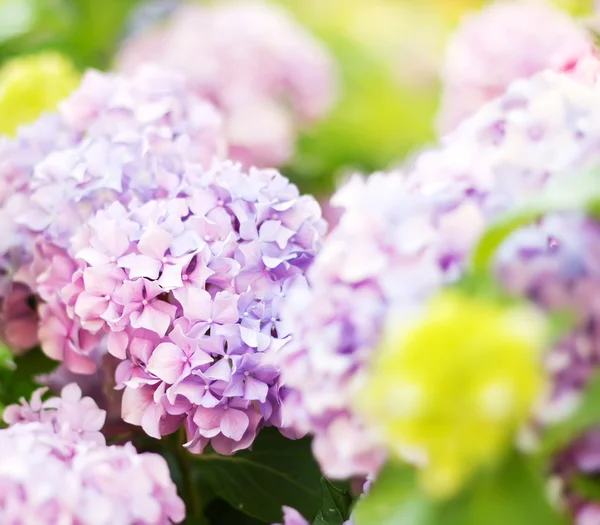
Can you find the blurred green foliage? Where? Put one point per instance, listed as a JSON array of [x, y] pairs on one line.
[[88, 31]]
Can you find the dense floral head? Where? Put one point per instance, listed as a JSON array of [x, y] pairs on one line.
[[188, 290], [400, 240], [498, 45], [55, 468], [219, 46], [136, 138], [114, 139], [32, 85]]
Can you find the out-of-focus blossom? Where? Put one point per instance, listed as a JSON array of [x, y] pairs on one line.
[[398, 242], [454, 384], [391, 247], [55, 469], [581, 458], [70, 415], [501, 44], [32, 85], [189, 290], [263, 70], [100, 386], [553, 263]]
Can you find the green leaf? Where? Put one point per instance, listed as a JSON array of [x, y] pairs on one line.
[[335, 505], [393, 498], [6, 358], [585, 416], [581, 192], [276, 472], [514, 494], [219, 512], [18, 379]]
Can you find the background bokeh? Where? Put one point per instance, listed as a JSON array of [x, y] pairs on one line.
[[388, 53]]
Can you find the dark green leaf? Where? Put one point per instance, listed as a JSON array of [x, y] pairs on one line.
[[335, 505], [276, 472], [587, 487], [586, 415], [219, 512], [19, 380], [581, 192]]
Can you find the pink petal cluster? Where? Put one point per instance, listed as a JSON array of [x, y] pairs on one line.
[[114, 139], [70, 415], [400, 238], [100, 386], [188, 290], [262, 69], [55, 468], [503, 43]]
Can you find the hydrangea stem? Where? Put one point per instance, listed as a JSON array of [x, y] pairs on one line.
[[190, 493]]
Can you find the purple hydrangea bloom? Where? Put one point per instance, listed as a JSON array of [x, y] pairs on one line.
[[114, 139], [189, 290], [399, 239], [55, 468]]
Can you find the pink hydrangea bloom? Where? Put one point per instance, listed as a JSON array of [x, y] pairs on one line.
[[100, 386], [55, 468], [262, 69], [188, 290], [501, 44]]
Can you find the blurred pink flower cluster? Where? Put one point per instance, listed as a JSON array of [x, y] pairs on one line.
[[264, 71], [506, 41], [55, 468]]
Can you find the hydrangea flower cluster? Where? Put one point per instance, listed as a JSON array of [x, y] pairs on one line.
[[113, 139], [55, 467], [189, 290], [219, 45], [497, 45], [400, 240]]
